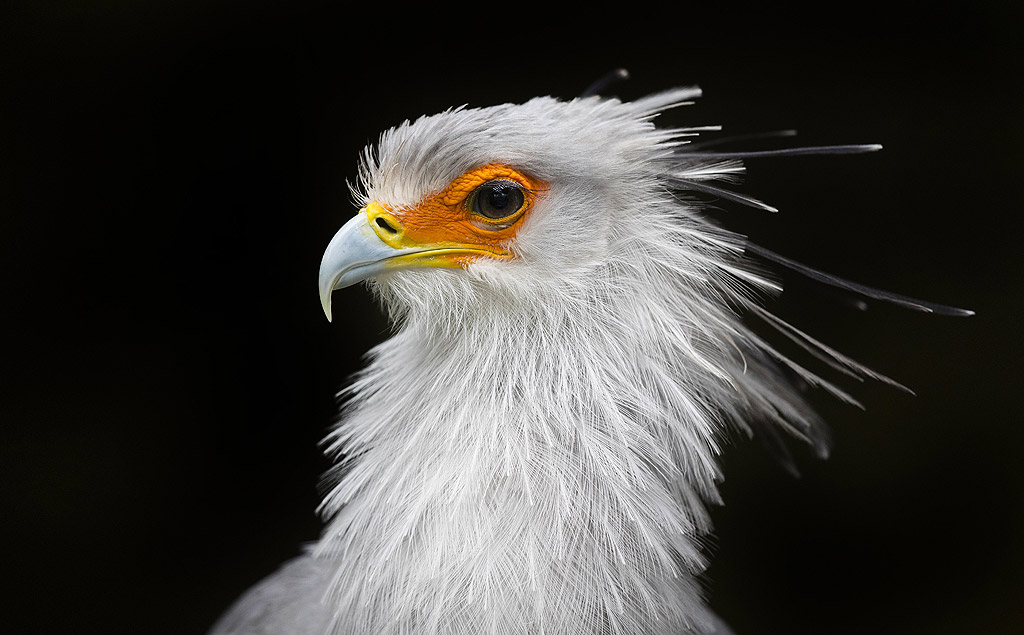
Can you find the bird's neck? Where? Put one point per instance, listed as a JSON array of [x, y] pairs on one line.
[[519, 473]]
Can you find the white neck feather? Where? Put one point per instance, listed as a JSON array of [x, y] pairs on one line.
[[553, 484]]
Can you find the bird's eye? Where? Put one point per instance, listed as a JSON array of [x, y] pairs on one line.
[[498, 199]]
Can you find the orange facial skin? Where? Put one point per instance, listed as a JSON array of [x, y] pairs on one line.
[[444, 225]]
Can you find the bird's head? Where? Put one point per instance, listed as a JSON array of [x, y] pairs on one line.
[[511, 201]]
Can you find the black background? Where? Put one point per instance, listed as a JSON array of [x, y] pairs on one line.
[[171, 172]]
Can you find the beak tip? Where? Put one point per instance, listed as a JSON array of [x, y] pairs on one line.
[[326, 304]]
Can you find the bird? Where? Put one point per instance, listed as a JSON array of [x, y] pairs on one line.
[[536, 448]]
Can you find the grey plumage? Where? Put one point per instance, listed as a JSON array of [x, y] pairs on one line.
[[533, 450]]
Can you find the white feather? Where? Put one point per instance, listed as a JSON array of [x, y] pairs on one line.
[[533, 450]]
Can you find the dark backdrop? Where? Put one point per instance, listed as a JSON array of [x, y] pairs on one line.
[[171, 172]]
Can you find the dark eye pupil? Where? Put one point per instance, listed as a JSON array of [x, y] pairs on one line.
[[498, 200]]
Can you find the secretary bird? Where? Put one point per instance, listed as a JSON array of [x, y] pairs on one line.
[[535, 448]]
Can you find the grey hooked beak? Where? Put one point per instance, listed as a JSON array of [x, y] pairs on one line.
[[375, 242], [353, 255]]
